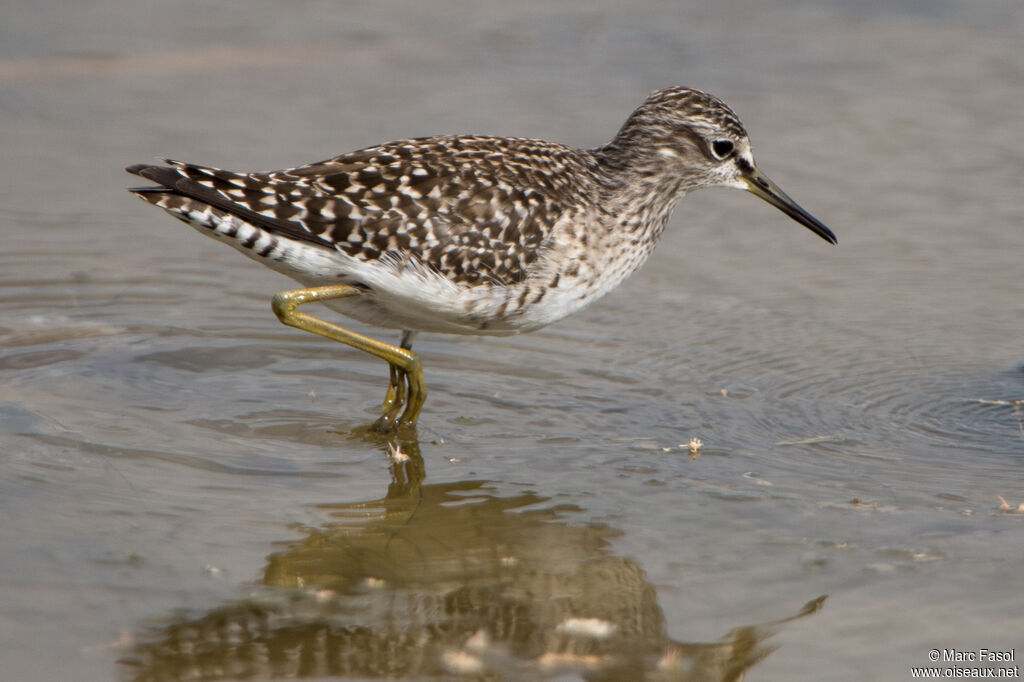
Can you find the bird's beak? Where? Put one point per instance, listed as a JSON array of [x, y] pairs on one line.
[[760, 186]]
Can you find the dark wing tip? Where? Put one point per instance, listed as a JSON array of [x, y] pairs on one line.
[[166, 176], [175, 179], [143, 170], [150, 190]]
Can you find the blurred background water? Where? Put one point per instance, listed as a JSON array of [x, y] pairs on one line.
[[186, 488]]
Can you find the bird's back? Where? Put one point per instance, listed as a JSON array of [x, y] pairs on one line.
[[472, 208], [466, 219]]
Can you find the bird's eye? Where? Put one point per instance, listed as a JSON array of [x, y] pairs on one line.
[[722, 149]]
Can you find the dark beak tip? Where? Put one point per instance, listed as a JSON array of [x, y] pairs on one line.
[[766, 190]]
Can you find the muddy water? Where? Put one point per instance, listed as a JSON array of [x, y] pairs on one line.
[[187, 489]]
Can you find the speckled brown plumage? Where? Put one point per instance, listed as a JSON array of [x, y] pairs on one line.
[[472, 208], [471, 234]]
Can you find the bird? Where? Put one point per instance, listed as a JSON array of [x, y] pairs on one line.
[[467, 234]]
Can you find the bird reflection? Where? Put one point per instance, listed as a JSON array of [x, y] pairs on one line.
[[447, 580]]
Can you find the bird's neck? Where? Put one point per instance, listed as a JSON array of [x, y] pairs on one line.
[[637, 187]]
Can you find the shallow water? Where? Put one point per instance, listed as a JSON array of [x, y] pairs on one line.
[[188, 491]]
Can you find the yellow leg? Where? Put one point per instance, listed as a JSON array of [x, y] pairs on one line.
[[395, 393], [407, 386]]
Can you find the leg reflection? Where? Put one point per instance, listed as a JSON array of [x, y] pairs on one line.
[[456, 578]]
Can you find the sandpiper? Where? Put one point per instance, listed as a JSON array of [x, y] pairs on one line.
[[467, 234]]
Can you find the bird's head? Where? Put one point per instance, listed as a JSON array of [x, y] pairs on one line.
[[697, 141]]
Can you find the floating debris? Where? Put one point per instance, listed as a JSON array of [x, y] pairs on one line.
[[1005, 507], [396, 454]]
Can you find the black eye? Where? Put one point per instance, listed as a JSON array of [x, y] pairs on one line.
[[722, 148]]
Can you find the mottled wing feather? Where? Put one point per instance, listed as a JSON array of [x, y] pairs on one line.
[[210, 186], [473, 209]]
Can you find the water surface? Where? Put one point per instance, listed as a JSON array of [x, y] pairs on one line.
[[188, 491]]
